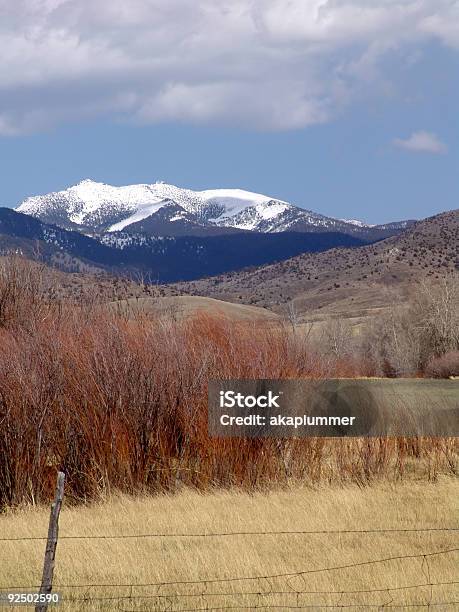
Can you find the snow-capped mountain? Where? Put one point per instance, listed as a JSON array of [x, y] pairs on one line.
[[162, 209], [96, 207]]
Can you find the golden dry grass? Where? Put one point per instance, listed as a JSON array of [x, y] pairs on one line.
[[184, 306], [140, 561]]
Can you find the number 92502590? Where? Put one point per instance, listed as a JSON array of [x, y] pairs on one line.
[[27, 599]]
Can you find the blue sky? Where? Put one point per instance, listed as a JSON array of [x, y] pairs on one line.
[[342, 107]]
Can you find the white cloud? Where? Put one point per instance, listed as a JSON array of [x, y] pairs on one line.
[[266, 64], [444, 24], [422, 142]]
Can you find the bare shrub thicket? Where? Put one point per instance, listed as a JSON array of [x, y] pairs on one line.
[[120, 403], [337, 339], [22, 286], [417, 331], [445, 366]]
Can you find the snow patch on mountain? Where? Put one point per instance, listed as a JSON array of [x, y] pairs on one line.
[[252, 217], [143, 211], [232, 201], [121, 241], [357, 222]]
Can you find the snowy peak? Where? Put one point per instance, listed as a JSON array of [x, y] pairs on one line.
[[89, 205], [96, 208], [92, 206]]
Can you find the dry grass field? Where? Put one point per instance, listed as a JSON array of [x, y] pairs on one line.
[[184, 306], [225, 572]]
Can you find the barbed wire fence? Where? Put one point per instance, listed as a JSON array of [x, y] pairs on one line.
[[289, 590]]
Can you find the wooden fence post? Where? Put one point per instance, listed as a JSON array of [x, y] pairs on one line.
[[50, 552]]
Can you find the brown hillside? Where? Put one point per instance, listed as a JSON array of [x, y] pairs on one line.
[[350, 281]]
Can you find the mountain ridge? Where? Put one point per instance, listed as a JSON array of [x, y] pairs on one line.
[[342, 280], [94, 208], [161, 258]]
